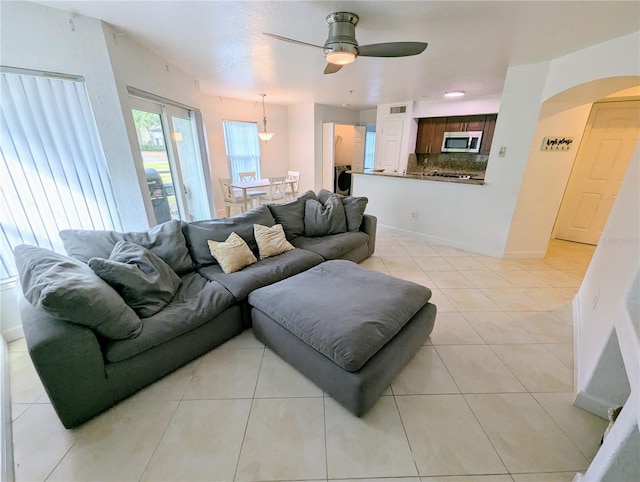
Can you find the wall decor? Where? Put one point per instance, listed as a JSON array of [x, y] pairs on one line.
[[558, 143]]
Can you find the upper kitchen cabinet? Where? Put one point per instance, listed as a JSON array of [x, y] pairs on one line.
[[430, 134], [465, 123], [431, 131], [487, 133]]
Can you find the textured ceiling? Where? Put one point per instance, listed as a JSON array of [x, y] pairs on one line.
[[471, 43]]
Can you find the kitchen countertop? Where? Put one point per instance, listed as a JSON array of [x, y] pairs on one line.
[[477, 178]]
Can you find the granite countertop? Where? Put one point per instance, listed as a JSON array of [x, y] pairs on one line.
[[474, 178]]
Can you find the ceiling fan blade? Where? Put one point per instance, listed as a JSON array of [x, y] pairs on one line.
[[332, 68], [392, 49], [278, 37]]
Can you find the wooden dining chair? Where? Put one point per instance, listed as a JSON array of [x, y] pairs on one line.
[[253, 194], [292, 189], [232, 197], [276, 192]]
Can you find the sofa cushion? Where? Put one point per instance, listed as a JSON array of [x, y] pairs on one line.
[[354, 208], [165, 241], [322, 219], [271, 241], [262, 273], [69, 290], [233, 254], [145, 282], [196, 302], [365, 311], [291, 214], [199, 232], [333, 246]]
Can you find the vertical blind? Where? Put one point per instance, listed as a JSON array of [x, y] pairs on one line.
[[243, 147], [53, 173]]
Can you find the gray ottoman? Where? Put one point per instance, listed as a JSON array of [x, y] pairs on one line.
[[348, 329]]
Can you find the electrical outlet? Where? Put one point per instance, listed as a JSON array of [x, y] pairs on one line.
[[414, 215]]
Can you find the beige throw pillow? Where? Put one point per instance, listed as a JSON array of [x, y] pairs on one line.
[[271, 241], [232, 254]]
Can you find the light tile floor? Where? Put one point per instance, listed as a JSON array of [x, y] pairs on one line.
[[486, 399]]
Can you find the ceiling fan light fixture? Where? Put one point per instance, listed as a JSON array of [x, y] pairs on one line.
[[265, 135], [453, 94], [341, 58]]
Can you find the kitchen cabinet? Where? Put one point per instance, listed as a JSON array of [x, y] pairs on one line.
[[464, 123], [431, 131], [430, 134], [487, 134]]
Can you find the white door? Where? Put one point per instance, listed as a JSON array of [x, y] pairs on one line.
[[328, 154], [389, 144], [611, 135], [358, 149]]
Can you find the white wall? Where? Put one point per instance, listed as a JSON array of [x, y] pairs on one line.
[[274, 154], [302, 144], [452, 107], [545, 180], [609, 277], [40, 38], [368, 116]]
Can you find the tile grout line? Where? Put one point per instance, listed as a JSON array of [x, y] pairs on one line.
[[146, 466], [404, 429], [246, 426], [560, 427]]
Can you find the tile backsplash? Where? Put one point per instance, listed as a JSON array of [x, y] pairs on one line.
[[458, 162]]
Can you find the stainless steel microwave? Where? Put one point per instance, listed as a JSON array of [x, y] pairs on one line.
[[468, 141]]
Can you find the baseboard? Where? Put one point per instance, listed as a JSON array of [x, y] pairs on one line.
[[593, 404], [6, 438], [446, 242], [577, 342], [524, 254], [13, 334], [582, 399]]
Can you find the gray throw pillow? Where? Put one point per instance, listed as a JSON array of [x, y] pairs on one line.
[[145, 282], [199, 233], [164, 240], [354, 208], [69, 290], [354, 211], [323, 220], [291, 214]]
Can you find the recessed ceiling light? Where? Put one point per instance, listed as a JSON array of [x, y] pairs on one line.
[[455, 93]]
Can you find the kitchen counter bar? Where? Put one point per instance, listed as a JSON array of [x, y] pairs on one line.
[[421, 177]]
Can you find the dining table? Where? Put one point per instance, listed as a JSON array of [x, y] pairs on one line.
[[259, 183]]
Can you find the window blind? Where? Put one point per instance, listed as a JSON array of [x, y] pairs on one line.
[[243, 148], [53, 173]]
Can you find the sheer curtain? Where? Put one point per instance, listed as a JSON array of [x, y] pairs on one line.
[[243, 147], [53, 173], [369, 148]]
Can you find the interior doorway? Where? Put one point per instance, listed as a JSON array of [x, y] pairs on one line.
[[611, 134]]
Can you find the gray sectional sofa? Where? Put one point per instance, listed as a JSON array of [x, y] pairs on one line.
[[91, 350]]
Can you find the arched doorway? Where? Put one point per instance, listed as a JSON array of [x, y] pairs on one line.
[[547, 172]]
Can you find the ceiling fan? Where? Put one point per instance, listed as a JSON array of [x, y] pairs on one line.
[[341, 47]]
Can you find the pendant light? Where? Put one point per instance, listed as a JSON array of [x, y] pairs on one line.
[[265, 135]]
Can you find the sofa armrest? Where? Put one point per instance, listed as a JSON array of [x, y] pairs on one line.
[[69, 362], [369, 226]]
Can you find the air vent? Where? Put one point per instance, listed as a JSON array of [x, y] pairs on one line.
[[401, 109]]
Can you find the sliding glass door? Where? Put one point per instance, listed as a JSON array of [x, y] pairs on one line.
[[170, 151]]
